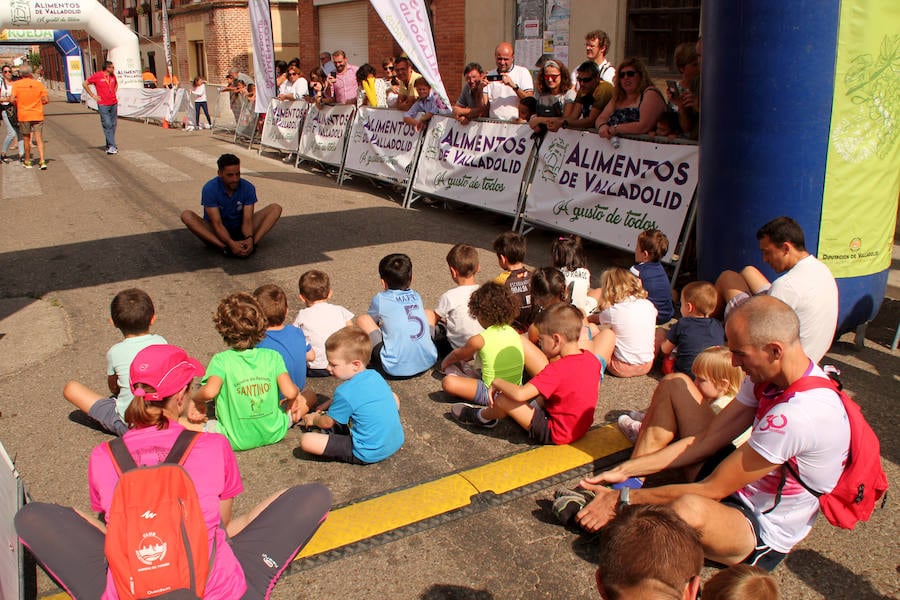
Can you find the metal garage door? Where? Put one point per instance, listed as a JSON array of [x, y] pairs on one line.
[[345, 27]]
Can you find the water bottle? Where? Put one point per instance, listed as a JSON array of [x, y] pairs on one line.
[[614, 140]]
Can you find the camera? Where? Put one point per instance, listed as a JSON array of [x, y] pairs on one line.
[[494, 77]]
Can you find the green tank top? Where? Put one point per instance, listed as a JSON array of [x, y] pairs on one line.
[[501, 355]]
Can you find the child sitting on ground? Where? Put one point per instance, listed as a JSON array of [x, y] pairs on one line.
[[627, 324], [557, 405], [245, 381], [696, 330], [397, 322], [567, 255], [452, 312], [285, 339], [718, 382], [363, 419], [132, 313], [320, 318], [652, 245], [428, 105], [509, 247], [498, 346]]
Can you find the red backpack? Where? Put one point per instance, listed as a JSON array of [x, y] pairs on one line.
[[156, 537], [863, 482]]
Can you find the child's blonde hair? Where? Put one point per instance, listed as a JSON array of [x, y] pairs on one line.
[[350, 343], [619, 284], [741, 582], [714, 364]]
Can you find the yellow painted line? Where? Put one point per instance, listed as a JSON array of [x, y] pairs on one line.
[[356, 522]]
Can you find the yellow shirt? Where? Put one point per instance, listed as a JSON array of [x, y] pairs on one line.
[[409, 90]]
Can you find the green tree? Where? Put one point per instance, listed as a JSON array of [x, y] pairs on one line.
[[34, 59]]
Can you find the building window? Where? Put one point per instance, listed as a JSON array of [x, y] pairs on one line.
[[199, 59], [656, 27]]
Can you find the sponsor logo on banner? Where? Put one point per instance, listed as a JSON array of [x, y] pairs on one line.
[[585, 186], [480, 164], [282, 127], [381, 144], [26, 35], [323, 133]]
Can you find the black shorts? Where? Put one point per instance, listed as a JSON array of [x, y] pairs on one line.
[[540, 427], [762, 556], [340, 447]]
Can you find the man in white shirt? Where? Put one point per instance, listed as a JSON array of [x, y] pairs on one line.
[[596, 45], [742, 512], [507, 85], [805, 284]]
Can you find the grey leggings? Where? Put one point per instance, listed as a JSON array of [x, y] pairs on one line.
[[71, 549]]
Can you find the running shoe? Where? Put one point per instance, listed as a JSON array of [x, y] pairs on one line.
[[43, 166], [467, 414], [112, 150], [629, 427], [27, 164]]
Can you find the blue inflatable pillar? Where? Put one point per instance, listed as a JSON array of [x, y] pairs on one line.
[[67, 47], [769, 81]]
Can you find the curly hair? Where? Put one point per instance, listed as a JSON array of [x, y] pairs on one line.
[[240, 320], [494, 304], [619, 284]]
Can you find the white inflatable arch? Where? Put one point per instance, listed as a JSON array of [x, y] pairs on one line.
[[88, 15]]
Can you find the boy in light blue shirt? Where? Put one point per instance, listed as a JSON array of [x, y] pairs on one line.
[[397, 323], [428, 105], [132, 312]]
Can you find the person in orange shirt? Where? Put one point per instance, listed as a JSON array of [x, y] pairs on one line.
[[170, 81], [30, 96]]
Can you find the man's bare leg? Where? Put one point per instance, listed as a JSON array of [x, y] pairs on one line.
[[201, 229], [264, 220], [39, 138], [676, 411], [726, 535]]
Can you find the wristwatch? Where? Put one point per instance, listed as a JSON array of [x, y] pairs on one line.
[[624, 497], [516, 88]]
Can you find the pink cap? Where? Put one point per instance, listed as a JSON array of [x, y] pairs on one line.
[[167, 369]]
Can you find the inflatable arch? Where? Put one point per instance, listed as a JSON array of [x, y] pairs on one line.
[[89, 15]]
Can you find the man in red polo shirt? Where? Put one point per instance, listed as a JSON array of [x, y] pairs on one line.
[[105, 87], [30, 96]]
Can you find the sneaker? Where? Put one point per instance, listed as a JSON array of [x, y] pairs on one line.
[[4, 159], [637, 415], [112, 150], [288, 159], [467, 414], [629, 427], [189, 128], [43, 166], [568, 503], [27, 164]]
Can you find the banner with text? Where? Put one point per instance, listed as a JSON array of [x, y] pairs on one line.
[[480, 164], [144, 103], [381, 144], [282, 127], [323, 133], [247, 120], [585, 186], [263, 52]]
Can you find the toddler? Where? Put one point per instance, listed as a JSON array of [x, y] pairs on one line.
[[363, 422], [245, 380], [397, 322], [499, 347], [630, 323], [452, 312], [567, 255], [696, 330], [557, 405], [652, 245], [132, 313], [320, 318]]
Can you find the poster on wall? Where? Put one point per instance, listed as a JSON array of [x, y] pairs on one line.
[[582, 184]]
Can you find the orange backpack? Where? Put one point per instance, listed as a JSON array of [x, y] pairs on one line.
[[156, 537]]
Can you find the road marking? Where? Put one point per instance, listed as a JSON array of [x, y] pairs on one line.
[[206, 159], [19, 182], [87, 172], [153, 167]]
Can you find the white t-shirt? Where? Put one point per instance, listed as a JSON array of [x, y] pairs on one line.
[[318, 322], [812, 430], [579, 281], [298, 89], [634, 322], [607, 71], [199, 93], [809, 288], [503, 99], [453, 308]]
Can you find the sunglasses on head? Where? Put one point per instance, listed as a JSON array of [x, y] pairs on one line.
[[627, 73]]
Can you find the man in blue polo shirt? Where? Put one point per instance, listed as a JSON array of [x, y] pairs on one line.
[[229, 220]]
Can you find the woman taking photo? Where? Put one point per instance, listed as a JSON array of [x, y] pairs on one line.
[[161, 377], [554, 92], [636, 105]]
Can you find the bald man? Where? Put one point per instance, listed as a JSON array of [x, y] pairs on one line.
[[736, 508], [507, 85]]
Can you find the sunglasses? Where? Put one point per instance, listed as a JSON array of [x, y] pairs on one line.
[[584, 79], [627, 73], [292, 74], [551, 75], [389, 68]]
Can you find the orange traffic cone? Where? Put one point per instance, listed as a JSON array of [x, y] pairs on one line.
[[165, 124]]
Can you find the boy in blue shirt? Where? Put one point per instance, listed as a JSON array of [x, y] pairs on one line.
[[397, 323], [363, 422], [652, 245]]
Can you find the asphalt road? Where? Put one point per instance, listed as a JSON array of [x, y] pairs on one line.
[[93, 224]]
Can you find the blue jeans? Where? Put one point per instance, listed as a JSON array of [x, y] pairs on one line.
[[11, 133], [108, 122]]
